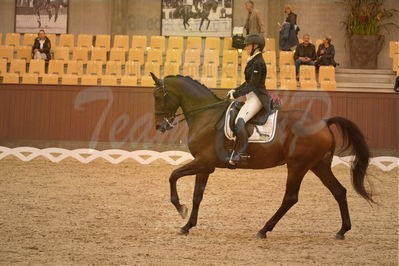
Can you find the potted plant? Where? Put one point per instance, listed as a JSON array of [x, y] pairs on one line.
[[363, 26]]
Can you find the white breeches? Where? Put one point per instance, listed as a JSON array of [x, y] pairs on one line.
[[251, 107]]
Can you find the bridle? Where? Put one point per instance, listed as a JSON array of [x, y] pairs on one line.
[[169, 117]]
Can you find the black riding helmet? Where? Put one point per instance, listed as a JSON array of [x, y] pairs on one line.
[[255, 39]]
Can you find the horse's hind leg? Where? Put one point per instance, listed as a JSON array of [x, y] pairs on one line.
[[209, 21], [324, 172], [294, 180], [202, 22]]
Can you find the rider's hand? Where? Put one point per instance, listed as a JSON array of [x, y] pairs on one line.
[[230, 94]]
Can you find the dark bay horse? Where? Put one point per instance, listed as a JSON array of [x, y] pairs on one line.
[[206, 10], [185, 12], [301, 142]]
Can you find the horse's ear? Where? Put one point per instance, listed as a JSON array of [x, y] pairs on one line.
[[156, 80]]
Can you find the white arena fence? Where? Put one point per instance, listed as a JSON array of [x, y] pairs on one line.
[[115, 156]]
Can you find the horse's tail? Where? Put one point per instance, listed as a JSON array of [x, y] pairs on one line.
[[354, 139]]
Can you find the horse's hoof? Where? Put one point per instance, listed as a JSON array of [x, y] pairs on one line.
[[339, 237], [183, 211], [260, 235], [183, 232]]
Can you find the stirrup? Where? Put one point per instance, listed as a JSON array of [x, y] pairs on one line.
[[241, 158]]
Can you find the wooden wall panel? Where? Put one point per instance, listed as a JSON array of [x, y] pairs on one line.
[[40, 112]]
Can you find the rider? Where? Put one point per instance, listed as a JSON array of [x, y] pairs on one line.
[[255, 92]]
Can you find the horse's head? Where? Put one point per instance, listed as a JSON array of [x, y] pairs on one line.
[[214, 6], [165, 106]]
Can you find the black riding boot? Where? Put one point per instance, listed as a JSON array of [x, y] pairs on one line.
[[240, 146]]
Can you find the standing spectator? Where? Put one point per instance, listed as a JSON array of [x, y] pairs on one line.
[[305, 54], [289, 30], [41, 47], [254, 23], [326, 53]]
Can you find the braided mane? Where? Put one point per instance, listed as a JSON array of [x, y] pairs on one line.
[[190, 79]]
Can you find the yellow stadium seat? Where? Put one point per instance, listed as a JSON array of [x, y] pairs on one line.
[[69, 79], [286, 58], [24, 52], [139, 42], [3, 66], [109, 80], [230, 57], [288, 77], [29, 39], [18, 66], [52, 38], [270, 44], [211, 56], [155, 56], [129, 81], [228, 82], [133, 68], [117, 54], [61, 53], [327, 78], [228, 43], [136, 55], [90, 80], [75, 67], [103, 41], [56, 67], [191, 69], [307, 77], [37, 66], [212, 43], [192, 56], [194, 43], [271, 78], [94, 68], [210, 82], [147, 81], [318, 42], [81, 54], [229, 71], [393, 48], [7, 52], [121, 42], [171, 68], [99, 54], [13, 39], [67, 40], [270, 58], [209, 69], [157, 43], [11, 78], [153, 67], [85, 40], [175, 43], [174, 56], [28, 78], [113, 68], [51, 79], [244, 57]]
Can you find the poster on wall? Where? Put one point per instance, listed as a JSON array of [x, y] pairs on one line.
[[48, 15], [197, 18]]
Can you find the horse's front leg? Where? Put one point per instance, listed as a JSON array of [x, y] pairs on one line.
[[202, 21], [200, 184], [38, 19], [192, 168], [209, 21]]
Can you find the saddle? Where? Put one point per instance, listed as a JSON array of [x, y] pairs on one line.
[[261, 128]]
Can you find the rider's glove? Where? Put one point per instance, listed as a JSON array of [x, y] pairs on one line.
[[230, 94]]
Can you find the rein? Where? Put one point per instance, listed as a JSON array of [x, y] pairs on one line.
[[186, 114]]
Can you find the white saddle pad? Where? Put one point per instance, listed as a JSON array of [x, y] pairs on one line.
[[261, 134]]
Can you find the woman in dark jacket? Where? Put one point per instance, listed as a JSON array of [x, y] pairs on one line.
[[289, 30], [254, 91], [41, 47], [326, 53]]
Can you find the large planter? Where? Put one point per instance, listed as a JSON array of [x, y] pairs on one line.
[[364, 50]]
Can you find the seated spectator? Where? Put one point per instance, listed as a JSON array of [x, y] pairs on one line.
[[305, 54], [41, 47], [326, 53]]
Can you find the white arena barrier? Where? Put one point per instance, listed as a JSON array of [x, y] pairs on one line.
[[115, 156]]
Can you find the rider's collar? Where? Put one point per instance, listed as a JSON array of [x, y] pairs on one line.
[[252, 56]]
